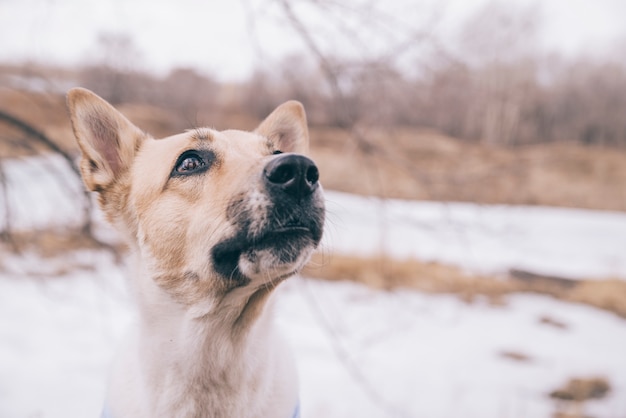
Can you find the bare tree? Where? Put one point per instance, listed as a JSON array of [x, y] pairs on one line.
[[498, 43], [113, 72], [187, 92]]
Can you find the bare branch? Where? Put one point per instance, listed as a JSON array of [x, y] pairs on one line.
[[39, 137], [345, 359]]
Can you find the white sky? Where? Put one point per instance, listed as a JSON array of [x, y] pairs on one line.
[[216, 37]]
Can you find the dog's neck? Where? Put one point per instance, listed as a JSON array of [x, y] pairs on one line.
[[195, 357]]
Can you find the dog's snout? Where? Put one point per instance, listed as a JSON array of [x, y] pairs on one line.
[[294, 174]]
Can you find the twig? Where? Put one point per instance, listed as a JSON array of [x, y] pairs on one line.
[[41, 138], [5, 233], [344, 358]]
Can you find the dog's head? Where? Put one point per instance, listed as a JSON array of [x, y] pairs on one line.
[[207, 211]]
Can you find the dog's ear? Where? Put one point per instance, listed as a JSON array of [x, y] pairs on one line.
[[108, 141], [287, 128]]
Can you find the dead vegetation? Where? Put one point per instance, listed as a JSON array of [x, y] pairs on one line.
[[49, 243], [582, 389], [385, 273], [515, 356], [570, 398], [552, 322], [427, 165]]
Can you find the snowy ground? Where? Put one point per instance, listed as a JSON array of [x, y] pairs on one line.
[[488, 238], [360, 352]]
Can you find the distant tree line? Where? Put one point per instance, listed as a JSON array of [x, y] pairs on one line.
[[514, 103], [511, 103], [491, 86]]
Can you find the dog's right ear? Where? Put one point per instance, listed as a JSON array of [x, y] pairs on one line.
[[108, 141], [287, 128]]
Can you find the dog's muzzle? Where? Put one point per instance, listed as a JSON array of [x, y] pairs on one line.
[[279, 231]]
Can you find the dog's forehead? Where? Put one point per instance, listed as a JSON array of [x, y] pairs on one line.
[[211, 138], [246, 139]]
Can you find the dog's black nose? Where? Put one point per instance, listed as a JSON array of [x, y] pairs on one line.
[[295, 174]]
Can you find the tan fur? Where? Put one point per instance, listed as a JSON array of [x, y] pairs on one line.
[[221, 325]]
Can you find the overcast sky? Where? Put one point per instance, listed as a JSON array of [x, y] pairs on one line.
[[226, 38]]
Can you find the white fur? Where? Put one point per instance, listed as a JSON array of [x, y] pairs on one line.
[[185, 362]]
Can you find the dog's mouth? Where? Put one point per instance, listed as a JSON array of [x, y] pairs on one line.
[[277, 249], [287, 236]]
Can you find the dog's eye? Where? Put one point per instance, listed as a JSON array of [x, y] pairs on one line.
[[190, 162], [277, 152]]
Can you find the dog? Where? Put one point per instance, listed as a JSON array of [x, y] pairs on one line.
[[215, 220]]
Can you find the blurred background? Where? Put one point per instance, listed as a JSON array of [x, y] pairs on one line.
[[474, 158]]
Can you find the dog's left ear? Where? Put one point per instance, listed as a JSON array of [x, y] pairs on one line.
[[287, 128], [107, 139]]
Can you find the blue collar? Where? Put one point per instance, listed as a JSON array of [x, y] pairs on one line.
[[106, 412], [296, 412]]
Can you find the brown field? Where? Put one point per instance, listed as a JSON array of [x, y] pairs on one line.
[[427, 165]]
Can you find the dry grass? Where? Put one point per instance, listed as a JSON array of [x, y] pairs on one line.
[[385, 273], [46, 112], [515, 356], [582, 389], [425, 165], [555, 323], [571, 397], [53, 242], [609, 294]]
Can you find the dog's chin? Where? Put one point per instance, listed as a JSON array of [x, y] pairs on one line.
[[265, 267], [269, 258]]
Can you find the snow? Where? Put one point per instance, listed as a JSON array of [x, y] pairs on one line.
[[56, 336], [434, 356], [572, 243], [360, 352], [42, 192]]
